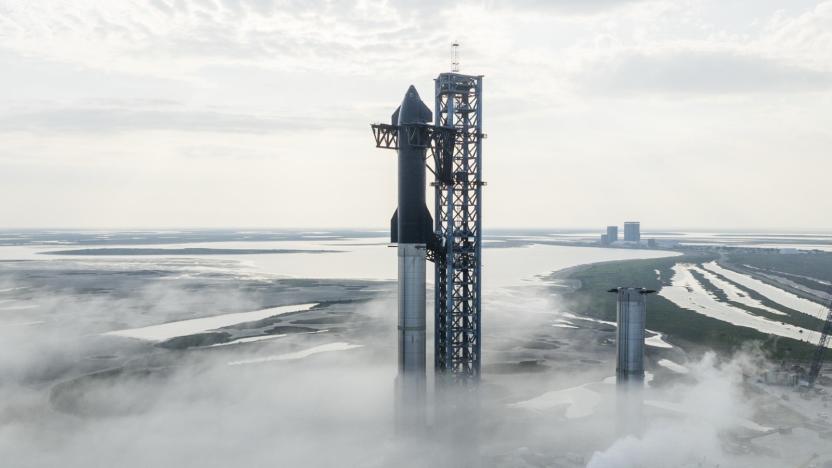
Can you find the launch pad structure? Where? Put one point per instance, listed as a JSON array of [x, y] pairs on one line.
[[458, 230], [454, 156]]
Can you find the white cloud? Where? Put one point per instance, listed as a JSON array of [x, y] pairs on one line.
[[135, 117], [698, 71], [700, 94]]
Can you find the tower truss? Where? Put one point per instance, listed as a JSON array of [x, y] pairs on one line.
[[458, 228], [820, 350]]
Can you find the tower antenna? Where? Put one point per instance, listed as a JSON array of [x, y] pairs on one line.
[[455, 57]]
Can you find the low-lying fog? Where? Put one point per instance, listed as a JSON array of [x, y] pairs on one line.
[[88, 377]]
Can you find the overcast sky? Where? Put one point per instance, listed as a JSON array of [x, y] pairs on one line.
[[256, 113]]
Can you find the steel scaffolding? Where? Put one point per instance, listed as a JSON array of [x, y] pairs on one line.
[[817, 356], [458, 228]]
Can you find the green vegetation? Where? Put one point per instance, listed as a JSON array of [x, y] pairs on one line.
[[815, 264], [794, 317], [198, 339], [687, 328]]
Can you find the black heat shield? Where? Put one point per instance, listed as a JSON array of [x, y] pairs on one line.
[[427, 231]]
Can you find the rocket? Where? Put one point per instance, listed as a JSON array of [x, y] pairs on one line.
[[631, 317], [411, 227], [411, 223], [629, 370]]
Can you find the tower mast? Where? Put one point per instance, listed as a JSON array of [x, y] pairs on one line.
[[458, 227]]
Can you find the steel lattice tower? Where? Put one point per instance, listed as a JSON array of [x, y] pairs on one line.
[[458, 229], [817, 356]]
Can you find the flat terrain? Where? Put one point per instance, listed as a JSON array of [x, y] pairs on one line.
[[185, 251], [138, 343], [688, 328]]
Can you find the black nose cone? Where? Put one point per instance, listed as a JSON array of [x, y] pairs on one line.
[[413, 110]]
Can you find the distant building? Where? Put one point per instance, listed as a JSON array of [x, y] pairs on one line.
[[612, 234], [605, 239], [632, 231]]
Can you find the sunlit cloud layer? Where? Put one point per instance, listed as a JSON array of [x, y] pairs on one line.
[[678, 113]]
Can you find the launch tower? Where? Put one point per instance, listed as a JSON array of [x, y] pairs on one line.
[[457, 255], [452, 149]]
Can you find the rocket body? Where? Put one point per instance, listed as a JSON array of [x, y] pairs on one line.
[[631, 317], [631, 314], [411, 158], [411, 227], [411, 383]]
